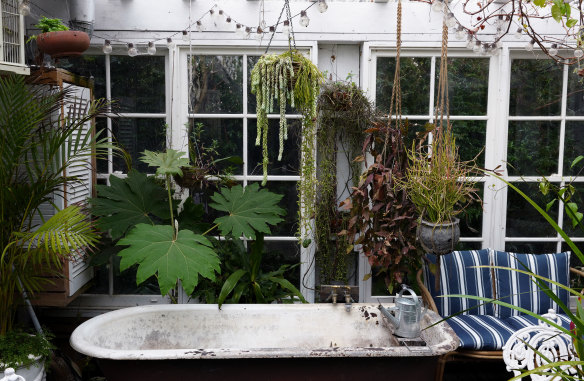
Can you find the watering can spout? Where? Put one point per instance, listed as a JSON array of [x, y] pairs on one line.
[[392, 320]]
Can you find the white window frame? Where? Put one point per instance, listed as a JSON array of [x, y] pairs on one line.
[[373, 50], [18, 66]]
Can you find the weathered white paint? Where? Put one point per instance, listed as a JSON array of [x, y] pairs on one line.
[[250, 331]]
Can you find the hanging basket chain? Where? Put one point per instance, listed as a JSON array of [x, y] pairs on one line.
[[396, 93]]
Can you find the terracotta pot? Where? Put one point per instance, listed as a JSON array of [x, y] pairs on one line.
[[63, 43], [439, 238]]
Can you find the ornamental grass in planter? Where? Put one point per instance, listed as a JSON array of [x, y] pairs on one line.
[[441, 186]]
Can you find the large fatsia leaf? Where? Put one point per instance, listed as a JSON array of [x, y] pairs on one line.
[[166, 163], [249, 210], [128, 202], [157, 252]]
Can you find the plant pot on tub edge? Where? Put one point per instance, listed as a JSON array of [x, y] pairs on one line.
[[439, 238], [63, 43]]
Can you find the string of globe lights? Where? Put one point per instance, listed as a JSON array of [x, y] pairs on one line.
[[517, 18], [218, 17]]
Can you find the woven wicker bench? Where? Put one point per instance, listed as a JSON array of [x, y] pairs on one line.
[[483, 328]]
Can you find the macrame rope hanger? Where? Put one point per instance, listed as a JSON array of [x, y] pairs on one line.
[[291, 37]]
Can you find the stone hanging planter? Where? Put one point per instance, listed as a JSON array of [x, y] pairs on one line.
[[439, 238]]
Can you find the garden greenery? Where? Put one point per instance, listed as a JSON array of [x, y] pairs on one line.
[[344, 113], [289, 77]]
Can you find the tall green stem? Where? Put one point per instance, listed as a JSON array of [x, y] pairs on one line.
[[174, 228]]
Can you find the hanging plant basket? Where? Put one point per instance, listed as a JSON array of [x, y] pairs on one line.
[[439, 238], [64, 43], [192, 177]]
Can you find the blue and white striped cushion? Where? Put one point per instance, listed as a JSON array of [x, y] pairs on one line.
[[458, 276], [480, 332], [520, 290]]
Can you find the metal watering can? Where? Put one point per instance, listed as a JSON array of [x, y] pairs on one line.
[[408, 314]]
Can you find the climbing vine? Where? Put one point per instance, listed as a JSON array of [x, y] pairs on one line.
[[344, 113]]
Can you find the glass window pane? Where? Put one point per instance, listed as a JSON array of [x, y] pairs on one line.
[[468, 85], [290, 158], [278, 253], [574, 141], [90, 67], [138, 83], [217, 85], [533, 148], [471, 219], [471, 136], [575, 98], [289, 203], [219, 138], [523, 220], [136, 135], [577, 231], [536, 88], [415, 84], [531, 247], [125, 281], [101, 125]]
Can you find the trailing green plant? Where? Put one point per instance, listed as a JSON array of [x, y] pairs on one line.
[[47, 25], [242, 279], [166, 243], [343, 114], [20, 349], [289, 77], [383, 218], [39, 146]]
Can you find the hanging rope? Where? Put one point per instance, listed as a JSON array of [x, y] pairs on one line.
[[396, 93], [291, 38]]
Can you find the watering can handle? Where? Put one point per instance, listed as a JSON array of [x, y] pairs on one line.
[[406, 288]]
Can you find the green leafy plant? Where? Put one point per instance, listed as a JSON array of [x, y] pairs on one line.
[[167, 243], [383, 218], [47, 25], [242, 279], [439, 184], [343, 115], [17, 348], [39, 147]]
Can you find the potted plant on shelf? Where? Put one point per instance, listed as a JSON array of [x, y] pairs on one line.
[[57, 40], [38, 148]]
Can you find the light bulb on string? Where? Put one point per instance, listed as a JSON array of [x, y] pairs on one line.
[[199, 26], [529, 45], [499, 23], [220, 16], [132, 51], [578, 53], [469, 42], [272, 29], [239, 30], [247, 32], [519, 33], [24, 7], [259, 34], [553, 51], [286, 27], [477, 47], [322, 6], [213, 15], [228, 20], [304, 20], [437, 6], [450, 20], [185, 35], [495, 49], [485, 49], [151, 48], [169, 43], [460, 33], [107, 47]]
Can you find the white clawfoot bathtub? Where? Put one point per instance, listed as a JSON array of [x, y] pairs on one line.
[[280, 341]]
